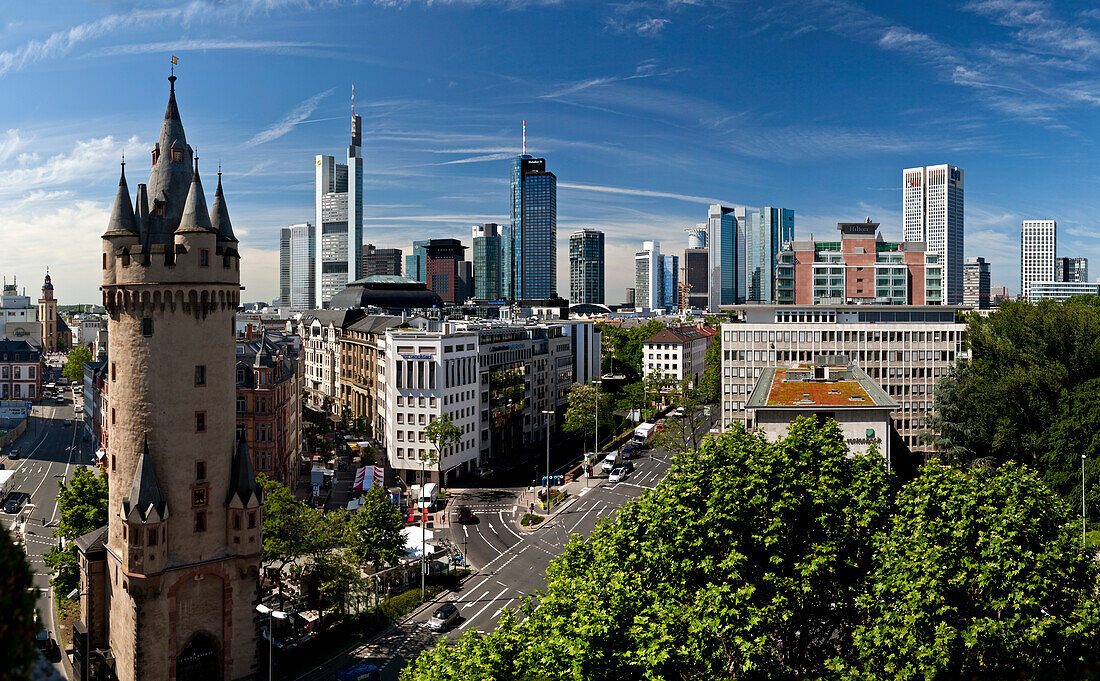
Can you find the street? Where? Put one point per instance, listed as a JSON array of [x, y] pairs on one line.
[[49, 450]]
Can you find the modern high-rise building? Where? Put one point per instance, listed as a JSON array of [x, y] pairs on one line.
[[932, 213], [381, 261], [586, 265], [1038, 248], [339, 217], [1071, 269], [648, 279], [530, 240], [168, 587], [445, 277], [726, 241], [976, 284], [670, 282], [416, 263], [631, 295], [487, 265], [696, 267], [284, 267], [301, 246], [767, 231]]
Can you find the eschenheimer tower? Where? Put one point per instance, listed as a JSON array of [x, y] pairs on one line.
[[173, 596]]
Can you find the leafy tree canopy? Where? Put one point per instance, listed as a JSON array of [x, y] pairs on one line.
[[626, 343], [74, 365], [373, 533], [82, 507]]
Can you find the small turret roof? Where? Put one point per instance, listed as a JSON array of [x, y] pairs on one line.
[[145, 496], [219, 215], [242, 477], [122, 221], [195, 216]]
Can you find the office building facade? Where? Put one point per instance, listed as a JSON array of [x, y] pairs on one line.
[[530, 239], [1071, 269], [296, 248], [670, 282], [976, 284], [1038, 249], [487, 261], [1060, 290], [586, 266], [339, 218], [932, 213], [859, 268], [381, 261], [445, 275], [905, 349], [767, 231], [284, 268], [648, 279], [416, 263], [726, 241]]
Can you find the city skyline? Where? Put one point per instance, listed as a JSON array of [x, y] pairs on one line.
[[641, 142]]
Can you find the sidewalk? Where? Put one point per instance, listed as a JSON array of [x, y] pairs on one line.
[[529, 496]]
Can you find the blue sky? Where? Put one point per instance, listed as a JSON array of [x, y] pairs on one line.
[[647, 111]]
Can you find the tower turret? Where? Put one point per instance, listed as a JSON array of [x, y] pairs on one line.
[[122, 221], [170, 178], [219, 215]]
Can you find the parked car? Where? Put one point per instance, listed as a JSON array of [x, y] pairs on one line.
[[626, 466], [443, 617], [79, 409], [616, 475], [12, 506], [611, 462], [465, 515], [60, 399], [363, 671], [14, 452], [629, 451]]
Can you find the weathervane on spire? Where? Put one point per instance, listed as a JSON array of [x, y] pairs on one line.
[[175, 60]]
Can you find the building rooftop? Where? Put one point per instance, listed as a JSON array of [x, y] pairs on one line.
[[827, 382]]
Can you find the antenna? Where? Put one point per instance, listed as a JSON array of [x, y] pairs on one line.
[[525, 136], [353, 100]]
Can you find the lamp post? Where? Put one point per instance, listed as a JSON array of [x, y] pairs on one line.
[[271, 615], [1082, 501], [546, 414], [596, 450]]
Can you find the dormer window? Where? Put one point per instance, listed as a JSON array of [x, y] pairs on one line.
[[177, 156]]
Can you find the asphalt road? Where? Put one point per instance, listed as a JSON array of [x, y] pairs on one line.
[[50, 450]]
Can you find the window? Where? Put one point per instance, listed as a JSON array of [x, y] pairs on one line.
[[200, 374], [251, 520], [147, 326], [236, 521], [104, 261], [177, 156], [204, 257], [112, 371], [152, 537], [112, 416], [200, 521], [200, 470], [241, 405], [198, 497], [200, 422], [112, 456]]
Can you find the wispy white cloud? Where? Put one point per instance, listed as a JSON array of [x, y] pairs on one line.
[[200, 45], [10, 143], [608, 189], [500, 156], [296, 115], [90, 158]]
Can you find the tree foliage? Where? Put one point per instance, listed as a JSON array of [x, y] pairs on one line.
[[626, 344], [681, 435], [1028, 393], [443, 434], [81, 507], [710, 386], [585, 402], [980, 576], [17, 626], [373, 533], [74, 365]]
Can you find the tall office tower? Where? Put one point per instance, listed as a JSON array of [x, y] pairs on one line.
[[284, 267], [631, 296], [530, 240], [486, 246], [697, 235], [170, 583], [767, 231], [586, 266], [976, 284], [303, 267], [1038, 245], [670, 282], [339, 215], [932, 212], [726, 241], [381, 261], [648, 276], [444, 275], [1071, 269], [416, 264], [696, 266]]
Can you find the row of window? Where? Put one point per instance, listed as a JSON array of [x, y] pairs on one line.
[[16, 372]]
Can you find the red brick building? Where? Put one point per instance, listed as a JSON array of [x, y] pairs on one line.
[[269, 406]]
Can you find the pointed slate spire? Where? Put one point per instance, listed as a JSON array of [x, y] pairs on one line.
[[171, 175], [219, 215], [122, 215], [242, 477], [145, 496], [195, 216]]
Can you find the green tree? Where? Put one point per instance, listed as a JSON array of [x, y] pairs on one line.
[[82, 507], [710, 386], [580, 415], [747, 561], [373, 533], [287, 525], [981, 575], [17, 626], [443, 434], [626, 343], [681, 434], [74, 365]]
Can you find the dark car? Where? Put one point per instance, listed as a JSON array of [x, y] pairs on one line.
[[465, 515], [626, 466], [364, 671], [629, 451], [13, 453], [12, 506]]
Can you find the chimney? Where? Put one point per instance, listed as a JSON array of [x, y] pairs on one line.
[[248, 330]]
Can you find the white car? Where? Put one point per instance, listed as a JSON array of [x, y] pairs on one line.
[[617, 475], [611, 462], [78, 409]]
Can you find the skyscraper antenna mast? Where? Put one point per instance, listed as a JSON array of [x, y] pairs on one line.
[[525, 136]]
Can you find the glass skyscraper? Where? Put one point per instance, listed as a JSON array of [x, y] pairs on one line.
[[766, 232], [339, 213], [416, 265], [586, 264], [284, 267], [487, 269], [670, 273], [726, 240], [302, 257], [530, 240]]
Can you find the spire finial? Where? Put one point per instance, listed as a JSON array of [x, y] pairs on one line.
[[196, 161], [353, 100], [525, 136]]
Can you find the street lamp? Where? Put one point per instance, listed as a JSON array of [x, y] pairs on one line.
[[276, 614], [595, 454], [1082, 501], [546, 414]]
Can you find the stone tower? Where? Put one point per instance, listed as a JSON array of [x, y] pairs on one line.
[[182, 543], [47, 316]]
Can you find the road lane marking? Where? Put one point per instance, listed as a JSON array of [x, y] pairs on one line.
[[507, 527], [483, 609]]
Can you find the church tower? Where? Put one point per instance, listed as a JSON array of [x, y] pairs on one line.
[[182, 543], [47, 316]]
